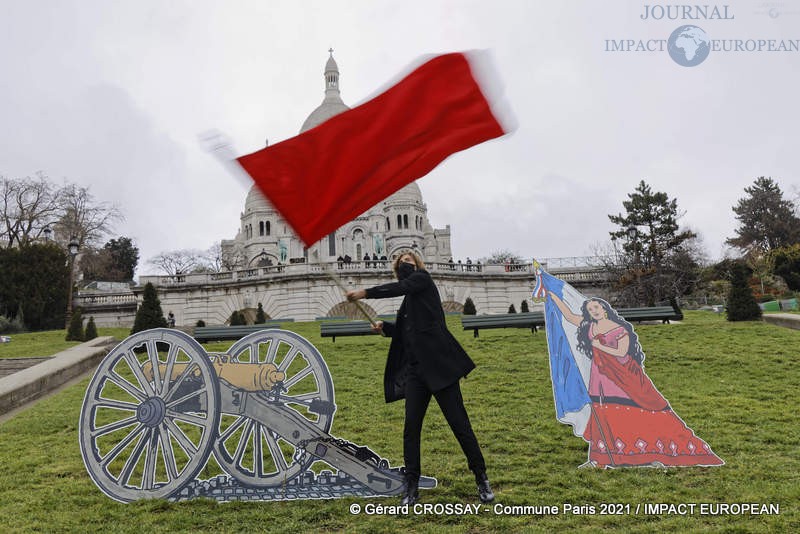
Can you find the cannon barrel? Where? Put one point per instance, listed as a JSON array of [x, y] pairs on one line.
[[246, 376]]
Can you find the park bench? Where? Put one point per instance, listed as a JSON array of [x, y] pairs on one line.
[[350, 328], [531, 320], [224, 332], [665, 314]]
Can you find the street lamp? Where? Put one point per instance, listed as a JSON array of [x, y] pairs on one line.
[[47, 234], [72, 248]]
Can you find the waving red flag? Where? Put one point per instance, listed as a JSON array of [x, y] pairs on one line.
[[329, 175]]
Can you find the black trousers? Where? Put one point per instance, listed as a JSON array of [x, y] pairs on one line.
[[418, 397]]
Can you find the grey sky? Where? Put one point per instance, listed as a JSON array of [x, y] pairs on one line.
[[113, 94]]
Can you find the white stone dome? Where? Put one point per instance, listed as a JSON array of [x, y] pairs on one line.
[[256, 202], [409, 194]]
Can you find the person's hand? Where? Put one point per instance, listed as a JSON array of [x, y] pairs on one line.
[[377, 327], [355, 295]]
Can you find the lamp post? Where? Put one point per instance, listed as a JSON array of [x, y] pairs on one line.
[[72, 248], [47, 234]]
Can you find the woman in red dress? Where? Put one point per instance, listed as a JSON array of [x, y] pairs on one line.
[[631, 423]]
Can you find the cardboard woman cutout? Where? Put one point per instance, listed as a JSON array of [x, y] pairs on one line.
[[600, 386]]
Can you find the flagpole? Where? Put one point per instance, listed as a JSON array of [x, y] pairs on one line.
[[340, 284]]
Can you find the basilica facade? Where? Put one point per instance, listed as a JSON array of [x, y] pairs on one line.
[[399, 222]]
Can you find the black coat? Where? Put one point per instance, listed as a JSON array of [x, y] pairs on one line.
[[420, 328]]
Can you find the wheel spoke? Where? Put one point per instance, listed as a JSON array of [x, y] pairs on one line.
[[127, 386], [121, 446], [152, 353], [253, 353], [242, 446], [273, 350], [231, 429], [116, 404], [150, 461], [298, 377], [112, 427], [287, 361], [186, 444], [186, 397], [133, 363], [275, 450], [186, 372], [133, 459], [167, 452], [172, 355], [187, 418], [258, 468]]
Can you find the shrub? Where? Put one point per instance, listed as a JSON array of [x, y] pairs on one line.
[[91, 330], [200, 323], [237, 319], [511, 309], [523, 307], [149, 315], [469, 307], [75, 331], [11, 326]]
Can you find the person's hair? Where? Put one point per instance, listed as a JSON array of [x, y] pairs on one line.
[[417, 260], [585, 342]]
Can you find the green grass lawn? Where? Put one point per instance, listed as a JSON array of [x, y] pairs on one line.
[[734, 384], [32, 344]]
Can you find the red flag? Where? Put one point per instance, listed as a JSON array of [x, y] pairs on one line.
[[329, 175]]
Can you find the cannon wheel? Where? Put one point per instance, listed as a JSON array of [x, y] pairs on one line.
[[249, 450], [142, 436]]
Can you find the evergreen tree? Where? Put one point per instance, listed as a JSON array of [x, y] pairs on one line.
[[742, 305], [469, 307], [766, 220], [261, 317], [91, 330], [523, 307], [660, 261], [149, 315], [786, 264], [200, 323], [511, 309], [75, 331]]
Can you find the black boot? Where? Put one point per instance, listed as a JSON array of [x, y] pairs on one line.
[[411, 493], [485, 493]]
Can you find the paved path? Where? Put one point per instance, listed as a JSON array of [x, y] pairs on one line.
[[789, 320], [37, 380], [12, 365]]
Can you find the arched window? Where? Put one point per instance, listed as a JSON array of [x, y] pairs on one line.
[[405, 221], [261, 228], [399, 221], [388, 225], [268, 230]]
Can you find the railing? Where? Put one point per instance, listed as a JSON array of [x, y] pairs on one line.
[[91, 299], [569, 269]]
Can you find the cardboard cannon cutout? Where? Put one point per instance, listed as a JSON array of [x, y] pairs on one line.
[[159, 407]]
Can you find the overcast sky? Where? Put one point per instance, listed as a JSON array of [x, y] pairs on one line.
[[113, 94]]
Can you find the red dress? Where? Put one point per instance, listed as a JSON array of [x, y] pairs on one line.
[[631, 422]]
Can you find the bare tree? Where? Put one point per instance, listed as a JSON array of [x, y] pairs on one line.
[[178, 261], [27, 206], [84, 218]]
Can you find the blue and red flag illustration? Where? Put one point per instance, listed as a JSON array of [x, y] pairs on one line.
[[600, 386]]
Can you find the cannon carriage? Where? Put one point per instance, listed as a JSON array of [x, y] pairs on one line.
[[159, 407]]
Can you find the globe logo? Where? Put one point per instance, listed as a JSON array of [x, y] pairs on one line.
[[688, 46]]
